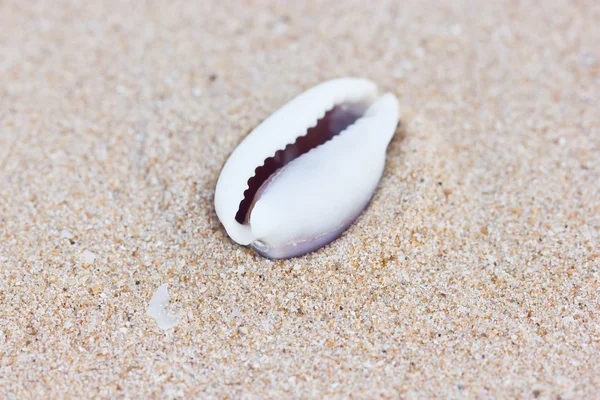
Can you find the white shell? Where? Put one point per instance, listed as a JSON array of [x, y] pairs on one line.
[[315, 197]]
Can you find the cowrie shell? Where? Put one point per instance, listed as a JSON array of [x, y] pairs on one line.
[[302, 176]]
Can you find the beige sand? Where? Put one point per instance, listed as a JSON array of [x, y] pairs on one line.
[[475, 272]]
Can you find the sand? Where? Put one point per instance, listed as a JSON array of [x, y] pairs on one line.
[[475, 272]]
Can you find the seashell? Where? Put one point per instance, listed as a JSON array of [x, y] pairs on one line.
[[302, 176]]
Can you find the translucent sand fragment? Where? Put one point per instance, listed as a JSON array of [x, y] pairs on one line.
[[87, 257], [157, 309]]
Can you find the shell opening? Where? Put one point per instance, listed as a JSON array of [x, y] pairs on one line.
[[331, 124]]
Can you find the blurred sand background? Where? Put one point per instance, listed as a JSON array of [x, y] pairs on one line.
[[475, 272]]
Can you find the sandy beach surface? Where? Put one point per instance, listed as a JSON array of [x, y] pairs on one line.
[[475, 271]]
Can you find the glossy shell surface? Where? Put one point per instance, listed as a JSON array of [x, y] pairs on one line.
[[314, 193]]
